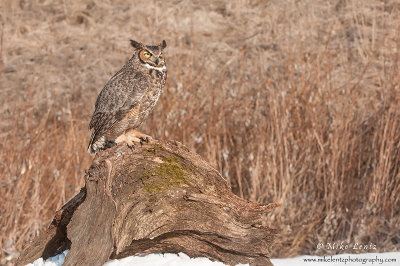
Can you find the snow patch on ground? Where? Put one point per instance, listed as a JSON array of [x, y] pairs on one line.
[[57, 260], [166, 259], [181, 259]]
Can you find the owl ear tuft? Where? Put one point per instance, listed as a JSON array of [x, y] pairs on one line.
[[136, 44], [163, 44]]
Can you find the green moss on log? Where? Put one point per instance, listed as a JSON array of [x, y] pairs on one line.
[[168, 174]]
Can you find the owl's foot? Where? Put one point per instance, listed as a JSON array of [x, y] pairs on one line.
[[140, 137], [133, 136]]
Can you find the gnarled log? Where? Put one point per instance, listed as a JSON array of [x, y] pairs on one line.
[[159, 197]]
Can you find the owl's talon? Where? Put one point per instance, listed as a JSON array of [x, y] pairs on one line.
[[131, 146], [144, 139]]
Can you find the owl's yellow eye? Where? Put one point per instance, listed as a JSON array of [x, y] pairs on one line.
[[147, 54], [161, 56]]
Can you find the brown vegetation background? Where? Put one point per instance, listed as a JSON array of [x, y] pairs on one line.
[[295, 102]]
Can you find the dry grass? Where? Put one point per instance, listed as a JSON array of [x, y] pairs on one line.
[[294, 102]]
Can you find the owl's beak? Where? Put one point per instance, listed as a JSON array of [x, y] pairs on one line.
[[157, 61]]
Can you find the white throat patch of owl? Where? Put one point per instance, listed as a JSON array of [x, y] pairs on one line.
[[163, 68]]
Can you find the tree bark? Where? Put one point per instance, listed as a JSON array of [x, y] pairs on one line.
[[159, 197]]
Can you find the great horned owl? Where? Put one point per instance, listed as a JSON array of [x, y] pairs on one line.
[[128, 98]]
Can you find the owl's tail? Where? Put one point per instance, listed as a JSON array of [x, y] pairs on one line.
[[92, 148], [99, 142]]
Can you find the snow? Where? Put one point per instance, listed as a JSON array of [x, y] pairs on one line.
[[57, 260], [166, 259], [181, 259]]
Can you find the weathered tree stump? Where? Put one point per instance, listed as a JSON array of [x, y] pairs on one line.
[[160, 197]]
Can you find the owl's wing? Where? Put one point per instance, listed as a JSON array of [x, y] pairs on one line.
[[116, 99]]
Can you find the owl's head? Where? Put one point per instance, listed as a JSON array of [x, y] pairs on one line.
[[151, 55]]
